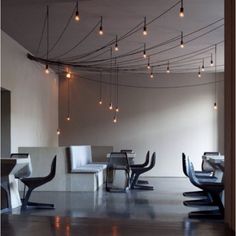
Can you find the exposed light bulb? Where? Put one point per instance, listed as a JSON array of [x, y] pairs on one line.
[[110, 106], [77, 18], [58, 132], [168, 68], [181, 10], [144, 55], [151, 75], [100, 102], [144, 31], [68, 118], [215, 106], [117, 109], [68, 75], [182, 40], [144, 27], [101, 28], [199, 73], [116, 48], [114, 119], [148, 66], [47, 69]]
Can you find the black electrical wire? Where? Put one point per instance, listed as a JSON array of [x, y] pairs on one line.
[[41, 36]]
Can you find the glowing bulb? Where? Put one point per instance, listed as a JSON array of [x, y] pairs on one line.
[[114, 119], [110, 106], [151, 76], [144, 27], [58, 132], [215, 106], [100, 28], [117, 109], [144, 30], [182, 45], [199, 75], [148, 66], [181, 12], [77, 18], [68, 118], [212, 63], [144, 54], [68, 75], [47, 69], [100, 102], [203, 68], [116, 47], [168, 70], [100, 31]]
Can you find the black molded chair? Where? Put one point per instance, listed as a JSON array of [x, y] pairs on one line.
[[214, 189], [199, 174], [118, 161], [34, 182], [137, 171], [146, 162]]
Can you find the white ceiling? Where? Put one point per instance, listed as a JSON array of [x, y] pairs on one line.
[[23, 20]]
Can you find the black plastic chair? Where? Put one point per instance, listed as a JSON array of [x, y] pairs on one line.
[[214, 190], [200, 174], [146, 162], [34, 182], [137, 171], [118, 161]]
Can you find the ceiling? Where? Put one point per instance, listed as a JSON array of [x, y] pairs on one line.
[[23, 21]]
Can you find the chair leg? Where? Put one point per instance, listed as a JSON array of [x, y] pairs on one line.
[[26, 199], [134, 181]]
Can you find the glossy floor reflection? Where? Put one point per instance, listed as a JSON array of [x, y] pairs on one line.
[[133, 213]]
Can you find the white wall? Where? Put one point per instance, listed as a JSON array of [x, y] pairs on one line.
[[168, 121], [34, 97]]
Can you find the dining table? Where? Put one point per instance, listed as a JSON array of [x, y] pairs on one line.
[[10, 169]]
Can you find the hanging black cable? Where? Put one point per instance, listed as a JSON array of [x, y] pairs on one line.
[[110, 87], [100, 89], [68, 100], [42, 33], [46, 67], [215, 103]]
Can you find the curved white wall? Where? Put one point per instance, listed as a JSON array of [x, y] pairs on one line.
[[34, 97]]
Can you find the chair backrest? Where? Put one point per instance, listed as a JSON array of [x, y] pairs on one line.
[[118, 159], [192, 176], [25, 171], [52, 173], [184, 164], [152, 163], [205, 165], [147, 159], [79, 156]]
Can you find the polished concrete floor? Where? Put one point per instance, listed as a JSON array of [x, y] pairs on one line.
[[136, 212]]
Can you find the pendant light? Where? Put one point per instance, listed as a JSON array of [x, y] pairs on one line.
[[101, 26], [116, 44], [117, 90], [58, 131], [110, 86], [47, 19], [144, 51], [68, 99], [215, 104], [203, 66], [181, 10], [100, 89], [77, 17], [199, 72], [144, 27], [151, 74], [168, 68], [182, 40]]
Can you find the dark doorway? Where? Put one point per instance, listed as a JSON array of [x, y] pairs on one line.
[[5, 122]]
